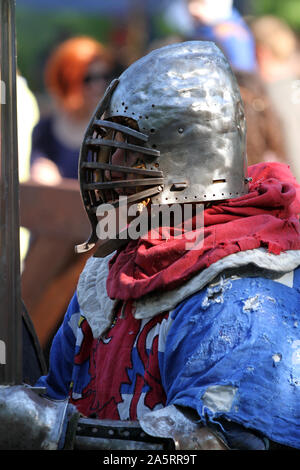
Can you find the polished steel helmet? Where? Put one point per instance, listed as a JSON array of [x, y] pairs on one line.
[[180, 109]]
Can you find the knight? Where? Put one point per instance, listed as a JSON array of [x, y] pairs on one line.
[[160, 329]]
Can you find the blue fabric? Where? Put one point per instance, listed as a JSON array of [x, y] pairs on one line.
[[63, 349], [244, 334], [45, 144], [235, 39]]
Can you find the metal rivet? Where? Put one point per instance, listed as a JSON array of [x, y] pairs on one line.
[[180, 130]]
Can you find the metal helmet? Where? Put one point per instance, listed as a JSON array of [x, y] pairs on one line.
[[180, 108]]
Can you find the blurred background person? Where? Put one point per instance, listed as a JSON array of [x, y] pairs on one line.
[[76, 76], [277, 57], [217, 21], [265, 138], [27, 106], [220, 22], [28, 115]]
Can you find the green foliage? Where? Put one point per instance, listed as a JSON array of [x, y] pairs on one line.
[[161, 28], [288, 10], [39, 32]]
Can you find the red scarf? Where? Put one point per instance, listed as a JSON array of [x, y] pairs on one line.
[[268, 216]]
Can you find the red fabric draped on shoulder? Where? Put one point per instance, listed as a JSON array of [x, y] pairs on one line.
[[268, 216]]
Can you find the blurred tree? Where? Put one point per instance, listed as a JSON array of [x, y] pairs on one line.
[[289, 10], [245, 7]]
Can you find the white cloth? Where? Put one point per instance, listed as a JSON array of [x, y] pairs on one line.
[[98, 308]]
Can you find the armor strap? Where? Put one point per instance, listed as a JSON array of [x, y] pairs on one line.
[[117, 435], [183, 427]]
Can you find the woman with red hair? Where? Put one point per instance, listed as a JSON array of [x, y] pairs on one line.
[[76, 76]]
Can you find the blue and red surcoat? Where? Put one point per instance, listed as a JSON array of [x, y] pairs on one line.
[[230, 350], [217, 329]]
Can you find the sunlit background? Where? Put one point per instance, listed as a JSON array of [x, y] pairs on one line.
[[133, 24]]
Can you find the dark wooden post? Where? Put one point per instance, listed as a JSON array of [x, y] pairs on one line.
[[10, 297]]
